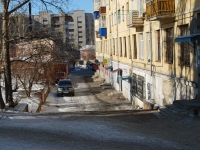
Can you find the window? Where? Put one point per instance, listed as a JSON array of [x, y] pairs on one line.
[[169, 45], [125, 52], [110, 18], [110, 47], [127, 8], [148, 47], [105, 47], [117, 49], [101, 42], [112, 21], [184, 58], [119, 16], [113, 46], [81, 21], [123, 13], [80, 36], [138, 86], [140, 7], [141, 46], [134, 47], [44, 19], [120, 42], [129, 47], [198, 20], [79, 26], [79, 31], [158, 46], [80, 41]]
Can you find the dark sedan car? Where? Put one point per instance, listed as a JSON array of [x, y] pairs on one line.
[[65, 87]]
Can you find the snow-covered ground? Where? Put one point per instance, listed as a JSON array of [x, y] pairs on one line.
[[21, 99]]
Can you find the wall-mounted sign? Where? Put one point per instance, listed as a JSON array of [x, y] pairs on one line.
[[105, 61]]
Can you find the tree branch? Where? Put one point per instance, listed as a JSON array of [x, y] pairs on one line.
[[17, 7]]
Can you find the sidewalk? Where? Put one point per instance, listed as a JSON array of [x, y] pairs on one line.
[[114, 98], [109, 96]]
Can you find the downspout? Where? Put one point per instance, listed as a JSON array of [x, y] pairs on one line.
[[117, 39], [150, 45], [174, 58]]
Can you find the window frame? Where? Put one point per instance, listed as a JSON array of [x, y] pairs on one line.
[[141, 48], [169, 44]]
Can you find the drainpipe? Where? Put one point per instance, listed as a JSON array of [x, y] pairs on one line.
[[117, 38], [150, 45]]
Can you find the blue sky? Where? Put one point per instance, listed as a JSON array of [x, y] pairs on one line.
[[86, 5]]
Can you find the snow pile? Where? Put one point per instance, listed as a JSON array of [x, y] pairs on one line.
[[22, 100], [33, 103]]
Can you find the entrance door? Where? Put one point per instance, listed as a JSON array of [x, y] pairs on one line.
[[120, 81]]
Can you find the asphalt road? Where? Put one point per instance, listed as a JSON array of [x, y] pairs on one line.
[[77, 123]]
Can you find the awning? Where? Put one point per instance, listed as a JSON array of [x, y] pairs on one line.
[[187, 38], [116, 70], [97, 63], [125, 78]]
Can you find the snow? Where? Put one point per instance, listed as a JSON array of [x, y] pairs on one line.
[[20, 98], [88, 47]]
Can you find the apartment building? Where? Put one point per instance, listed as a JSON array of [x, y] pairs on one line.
[[75, 27], [149, 49]]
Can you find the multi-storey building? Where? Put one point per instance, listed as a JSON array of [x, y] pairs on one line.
[[76, 27], [149, 49]]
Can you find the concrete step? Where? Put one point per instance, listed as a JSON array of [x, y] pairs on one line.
[[166, 112], [174, 109]]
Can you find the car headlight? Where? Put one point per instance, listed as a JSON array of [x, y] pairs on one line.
[[59, 89]]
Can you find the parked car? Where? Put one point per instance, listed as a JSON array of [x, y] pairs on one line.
[[65, 87], [90, 65]]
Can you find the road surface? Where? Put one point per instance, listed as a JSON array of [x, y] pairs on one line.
[[81, 122]]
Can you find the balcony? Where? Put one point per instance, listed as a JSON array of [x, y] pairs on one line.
[[96, 28], [102, 32], [133, 19], [159, 9], [102, 26], [96, 14], [102, 10], [97, 4]]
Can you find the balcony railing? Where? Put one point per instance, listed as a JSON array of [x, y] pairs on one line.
[[160, 9], [133, 19]]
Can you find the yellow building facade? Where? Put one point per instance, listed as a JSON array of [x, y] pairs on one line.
[[149, 50]]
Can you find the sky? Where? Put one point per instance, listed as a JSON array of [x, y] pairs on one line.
[[86, 5]]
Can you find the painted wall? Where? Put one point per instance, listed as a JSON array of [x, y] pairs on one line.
[[164, 81]]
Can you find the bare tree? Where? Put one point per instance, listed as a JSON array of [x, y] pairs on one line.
[[33, 62], [9, 7]]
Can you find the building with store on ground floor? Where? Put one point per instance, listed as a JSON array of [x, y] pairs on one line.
[[149, 49]]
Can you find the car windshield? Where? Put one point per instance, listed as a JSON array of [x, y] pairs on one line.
[[65, 82]]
